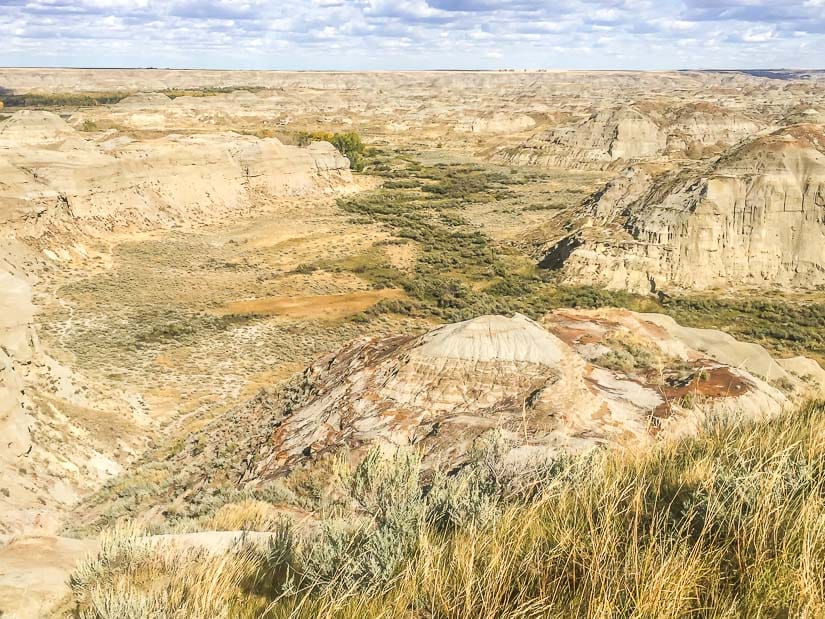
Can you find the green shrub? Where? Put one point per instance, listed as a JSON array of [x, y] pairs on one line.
[[348, 144]]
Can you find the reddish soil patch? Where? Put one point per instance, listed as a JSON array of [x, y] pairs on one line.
[[329, 306], [717, 382]]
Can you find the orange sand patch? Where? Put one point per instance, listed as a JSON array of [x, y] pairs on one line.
[[328, 306]]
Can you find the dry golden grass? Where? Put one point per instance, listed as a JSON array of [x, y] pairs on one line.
[[729, 524], [248, 515]]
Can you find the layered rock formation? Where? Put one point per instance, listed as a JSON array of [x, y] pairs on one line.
[[574, 381], [597, 142], [755, 216], [61, 436], [583, 119], [498, 122], [614, 137], [50, 175], [17, 349]]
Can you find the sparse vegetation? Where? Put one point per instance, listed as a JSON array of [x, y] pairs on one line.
[[348, 144], [47, 100], [174, 323], [786, 326], [461, 272], [89, 99], [726, 524], [627, 354], [174, 93]]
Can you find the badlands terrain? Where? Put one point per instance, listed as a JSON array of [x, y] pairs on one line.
[[289, 344]]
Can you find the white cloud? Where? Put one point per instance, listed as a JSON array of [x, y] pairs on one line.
[[346, 34], [758, 36]]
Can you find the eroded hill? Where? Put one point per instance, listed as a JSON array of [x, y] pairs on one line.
[[751, 217], [175, 242]]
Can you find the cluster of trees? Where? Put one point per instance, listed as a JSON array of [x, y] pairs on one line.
[[348, 144], [33, 100]]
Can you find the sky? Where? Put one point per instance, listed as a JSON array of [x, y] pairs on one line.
[[414, 34]]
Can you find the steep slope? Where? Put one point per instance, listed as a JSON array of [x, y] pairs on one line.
[[62, 437], [499, 122], [755, 216], [49, 174], [549, 389], [597, 142], [613, 137], [575, 381]]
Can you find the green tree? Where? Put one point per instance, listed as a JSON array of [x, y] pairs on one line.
[[348, 144]]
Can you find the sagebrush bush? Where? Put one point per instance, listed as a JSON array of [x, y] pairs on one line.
[[730, 523]]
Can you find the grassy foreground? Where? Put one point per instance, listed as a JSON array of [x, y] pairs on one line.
[[728, 524]]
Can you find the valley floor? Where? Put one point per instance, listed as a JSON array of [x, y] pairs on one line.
[[186, 323]]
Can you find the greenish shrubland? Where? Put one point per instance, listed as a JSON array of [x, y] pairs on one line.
[[461, 272]]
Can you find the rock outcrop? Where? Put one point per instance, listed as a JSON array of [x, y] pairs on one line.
[[18, 346], [58, 440], [498, 122], [573, 381], [597, 142], [61, 437], [31, 127], [614, 137], [755, 217], [50, 177]]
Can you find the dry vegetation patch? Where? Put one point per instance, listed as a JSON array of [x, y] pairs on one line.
[[725, 524], [326, 307]]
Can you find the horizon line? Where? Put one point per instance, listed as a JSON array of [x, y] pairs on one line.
[[442, 70]]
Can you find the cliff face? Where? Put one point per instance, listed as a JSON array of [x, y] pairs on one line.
[[18, 348], [597, 142], [614, 137], [755, 217], [60, 437], [49, 173]]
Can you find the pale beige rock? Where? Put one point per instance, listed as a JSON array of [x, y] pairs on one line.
[[499, 122], [58, 187], [101, 185], [754, 217], [547, 388], [599, 141], [31, 127], [47, 459], [616, 136], [34, 572]]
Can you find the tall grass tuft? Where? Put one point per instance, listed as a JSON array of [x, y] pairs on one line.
[[730, 523]]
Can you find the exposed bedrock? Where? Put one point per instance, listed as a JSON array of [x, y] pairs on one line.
[[753, 217]]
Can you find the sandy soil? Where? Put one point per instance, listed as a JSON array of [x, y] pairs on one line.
[[326, 307], [34, 571]]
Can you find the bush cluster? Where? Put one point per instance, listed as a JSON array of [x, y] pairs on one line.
[[348, 144]]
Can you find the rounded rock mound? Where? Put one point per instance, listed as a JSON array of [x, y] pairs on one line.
[[30, 127], [493, 338], [575, 380]]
